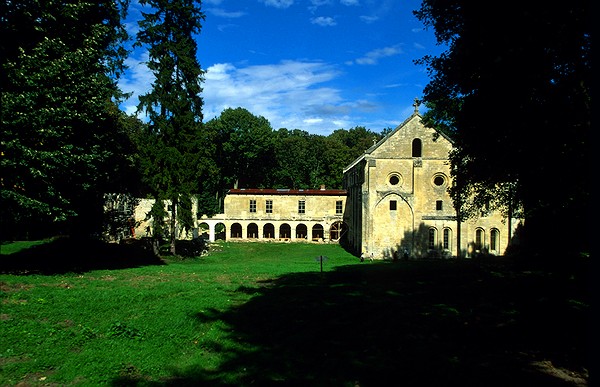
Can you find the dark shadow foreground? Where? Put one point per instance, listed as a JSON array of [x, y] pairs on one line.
[[65, 255], [433, 323]]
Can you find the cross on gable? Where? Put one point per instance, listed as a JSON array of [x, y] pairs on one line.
[[416, 104]]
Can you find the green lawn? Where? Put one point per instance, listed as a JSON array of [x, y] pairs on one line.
[[252, 314]]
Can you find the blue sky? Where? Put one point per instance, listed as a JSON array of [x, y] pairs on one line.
[[314, 65]]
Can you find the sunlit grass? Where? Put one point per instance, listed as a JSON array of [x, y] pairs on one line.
[[263, 314], [94, 327]]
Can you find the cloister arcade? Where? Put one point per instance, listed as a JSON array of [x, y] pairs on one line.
[[311, 231]]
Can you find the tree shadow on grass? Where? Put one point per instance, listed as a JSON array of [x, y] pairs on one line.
[[406, 323], [65, 255]]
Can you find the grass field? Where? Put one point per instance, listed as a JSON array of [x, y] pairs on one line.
[[252, 314]]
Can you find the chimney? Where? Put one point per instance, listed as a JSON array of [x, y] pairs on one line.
[[322, 187]]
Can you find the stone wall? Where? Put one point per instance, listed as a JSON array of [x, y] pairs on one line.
[[398, 203]]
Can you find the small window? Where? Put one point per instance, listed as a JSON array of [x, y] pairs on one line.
[[301, 206], [338, 207], [393, 205], [269, 206], [438, 205], [417, 147], [439, 180], [394, 179], [252, 205]]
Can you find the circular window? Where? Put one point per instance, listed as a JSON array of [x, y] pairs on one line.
[[394, 179], [439, 180]]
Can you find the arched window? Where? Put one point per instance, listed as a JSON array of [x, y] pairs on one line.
[[479, 238], [417, 147], [432, 237], [447, 239], [494, 239]]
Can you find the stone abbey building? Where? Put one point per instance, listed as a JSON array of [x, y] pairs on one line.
[[394, 205], [398, 205]]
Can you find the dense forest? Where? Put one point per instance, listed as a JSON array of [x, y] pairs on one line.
[[247, 153]]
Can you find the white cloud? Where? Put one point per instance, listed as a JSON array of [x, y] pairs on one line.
[[324, 21], [369, 19], [137, 80], [372, 57], [279, 3], [220, 12], [285, 93], [290, 94]]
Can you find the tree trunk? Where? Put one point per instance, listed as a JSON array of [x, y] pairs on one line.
[[173, 226], [458, 231]]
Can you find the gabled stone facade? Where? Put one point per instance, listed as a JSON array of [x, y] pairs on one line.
[[398, 205]]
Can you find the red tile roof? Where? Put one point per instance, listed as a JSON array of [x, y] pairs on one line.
[[286, 191]]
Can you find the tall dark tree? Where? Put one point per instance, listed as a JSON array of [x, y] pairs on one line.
[[171, 157], [514, 91], [61, 131]]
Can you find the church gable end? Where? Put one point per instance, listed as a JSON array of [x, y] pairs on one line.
[[412, 139]]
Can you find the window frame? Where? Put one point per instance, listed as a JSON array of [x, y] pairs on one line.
[[339, 207], [302, 206], [269, 206]]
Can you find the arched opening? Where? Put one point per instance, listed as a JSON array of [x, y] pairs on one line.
[[479, 239], [417, 147], [317, 232], [301, 231], [268, 231], [494, 240], [204, 231], [236, 230], [285, 231], [432, 238], [252, 231], [337, 230], [447, 242], [220, 232]]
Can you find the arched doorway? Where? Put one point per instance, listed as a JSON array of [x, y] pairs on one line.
[[252, 231], [301, 231], [204, 231], [285, 231], [268, 231], [337, 230], [220, 232], [317, 232], [236, 230]]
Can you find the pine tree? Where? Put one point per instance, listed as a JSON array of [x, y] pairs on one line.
[[171, 152]]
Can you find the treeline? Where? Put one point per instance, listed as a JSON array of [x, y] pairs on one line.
[[245, 152], [242, 150], [65, 142]]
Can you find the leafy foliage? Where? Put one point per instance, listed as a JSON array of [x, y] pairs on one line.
[[60, 125], [514, 92]]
